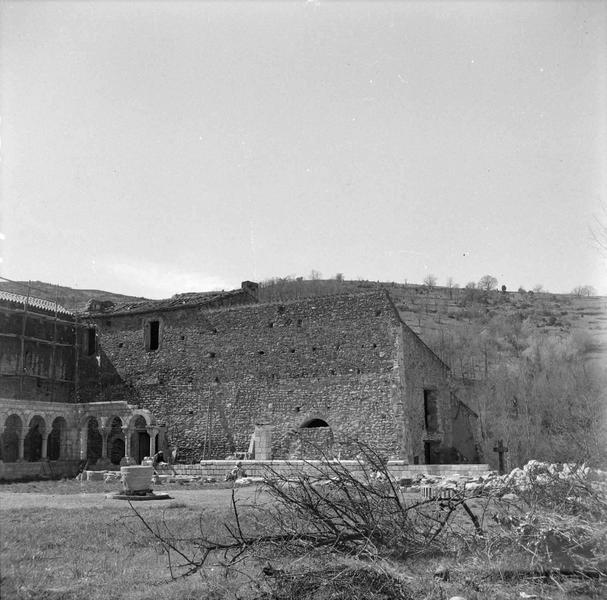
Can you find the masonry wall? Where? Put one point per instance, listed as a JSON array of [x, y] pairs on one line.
[[218, 373], [452, 439]]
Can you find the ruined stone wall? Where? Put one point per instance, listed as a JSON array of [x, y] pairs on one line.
[[423, 370], [218, 373]]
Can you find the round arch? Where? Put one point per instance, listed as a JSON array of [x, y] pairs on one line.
[[138, 417], [140, 438], [115, 442], [313, 423], [57, 439], [9, 445], [32, 445], [94, 440], [314, 439]]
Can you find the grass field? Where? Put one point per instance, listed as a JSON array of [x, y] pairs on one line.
[[101, 550]]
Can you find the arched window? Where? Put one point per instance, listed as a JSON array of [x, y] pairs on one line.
[[312, 423]]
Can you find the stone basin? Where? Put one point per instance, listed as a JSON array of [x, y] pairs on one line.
[[137, 479]]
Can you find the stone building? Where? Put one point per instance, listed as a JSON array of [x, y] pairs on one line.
[[221, 374], [227, 375]]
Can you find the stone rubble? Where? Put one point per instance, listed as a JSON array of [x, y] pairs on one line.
[[509, 485]]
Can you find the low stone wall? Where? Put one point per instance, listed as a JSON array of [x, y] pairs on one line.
[[400, 469], [218, 469], [38, 470]]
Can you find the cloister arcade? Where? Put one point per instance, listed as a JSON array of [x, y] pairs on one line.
[[102, 434]]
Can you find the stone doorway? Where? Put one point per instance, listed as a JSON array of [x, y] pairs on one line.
[[431, 453], [116, 441], [140, 440], [314, 440]]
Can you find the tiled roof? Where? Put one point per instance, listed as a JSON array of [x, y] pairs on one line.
[[39, 303], [177, 301]]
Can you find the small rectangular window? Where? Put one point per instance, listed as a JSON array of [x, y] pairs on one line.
[[152, 335], [431, 410], [90, 341]]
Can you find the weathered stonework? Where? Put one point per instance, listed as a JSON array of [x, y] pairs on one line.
[[343, 361], [216, 375]]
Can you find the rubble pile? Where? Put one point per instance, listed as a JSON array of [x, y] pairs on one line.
[[532, 476]]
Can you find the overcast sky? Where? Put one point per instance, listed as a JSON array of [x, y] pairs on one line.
[[150, 148]]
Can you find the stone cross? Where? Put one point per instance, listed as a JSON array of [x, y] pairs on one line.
[[500, 449]]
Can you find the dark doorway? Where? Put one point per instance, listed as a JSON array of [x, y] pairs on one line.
[[115, 442], [94, 444], [143, 449], [91, 341], [431, 455], [54, 444], [117, 451], [431, 410], [32, 447], [315, 423], [314, 440], [140, 440], [10, 439], [56, 439]]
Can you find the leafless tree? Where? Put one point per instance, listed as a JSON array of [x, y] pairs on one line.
[[451, 285], [583, 290], [430, 281], [487, 283]]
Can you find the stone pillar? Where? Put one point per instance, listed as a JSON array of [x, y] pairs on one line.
[[127, 460], [104, 437], [83, 442], [44, 449], [21, 456], [152, 432], [263, 442]]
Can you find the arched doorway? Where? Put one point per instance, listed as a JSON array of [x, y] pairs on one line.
[[94, 441], [140, 440], [57, 439], [115, 442], [315, 439], [314, 423], [32, 446], [10, 438]]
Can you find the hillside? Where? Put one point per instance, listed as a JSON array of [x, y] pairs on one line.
[[70, 298]]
